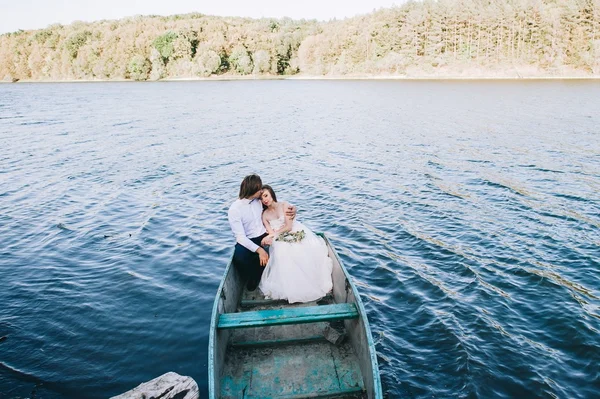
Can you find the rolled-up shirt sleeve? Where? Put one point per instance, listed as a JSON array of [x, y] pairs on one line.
[[235, 221]]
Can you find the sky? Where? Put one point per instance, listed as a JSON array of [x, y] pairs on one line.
[[38, 14]]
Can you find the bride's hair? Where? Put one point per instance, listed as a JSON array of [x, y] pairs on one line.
[[250, 185], [270, 190]]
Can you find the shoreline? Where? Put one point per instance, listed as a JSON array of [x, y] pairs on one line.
[[315, 77]]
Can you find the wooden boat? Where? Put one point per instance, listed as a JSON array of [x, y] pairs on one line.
[[261, 348]]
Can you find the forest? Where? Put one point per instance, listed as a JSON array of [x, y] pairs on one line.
[[421, 39]]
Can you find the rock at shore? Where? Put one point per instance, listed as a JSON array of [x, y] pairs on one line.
[[168, 386]]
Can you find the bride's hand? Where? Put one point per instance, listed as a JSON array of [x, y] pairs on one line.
[[268, 240]]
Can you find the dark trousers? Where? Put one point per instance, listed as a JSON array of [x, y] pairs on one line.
[[248, 263]]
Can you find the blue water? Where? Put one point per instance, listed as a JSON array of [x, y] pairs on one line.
[[468, 214]]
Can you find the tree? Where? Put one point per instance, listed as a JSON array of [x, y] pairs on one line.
[[419, 37], [164, 45], [240, 60], [208, 62], [157, 63], [138, 68], [262, 62], [75, 41]]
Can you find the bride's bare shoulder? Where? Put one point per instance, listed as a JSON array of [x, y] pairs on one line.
[[270, 214]]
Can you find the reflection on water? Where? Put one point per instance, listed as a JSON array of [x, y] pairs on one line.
[[467, 213]]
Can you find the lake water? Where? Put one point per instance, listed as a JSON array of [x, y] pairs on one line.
[[468, 214]]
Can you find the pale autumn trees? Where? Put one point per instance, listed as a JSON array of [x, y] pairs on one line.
[[418, 38]]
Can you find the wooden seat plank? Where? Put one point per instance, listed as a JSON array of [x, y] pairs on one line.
[[272, 317]]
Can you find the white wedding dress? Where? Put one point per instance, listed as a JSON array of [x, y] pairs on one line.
[[299, 271]]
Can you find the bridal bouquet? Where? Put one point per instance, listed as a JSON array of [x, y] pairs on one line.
[[291, 237]]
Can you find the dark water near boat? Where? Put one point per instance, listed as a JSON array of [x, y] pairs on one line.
[[467, 212]]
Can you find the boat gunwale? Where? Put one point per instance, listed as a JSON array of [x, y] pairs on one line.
[[214, 320], [378, 394]]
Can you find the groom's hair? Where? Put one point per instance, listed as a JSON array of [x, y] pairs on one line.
[[250, 185], [270, 190]]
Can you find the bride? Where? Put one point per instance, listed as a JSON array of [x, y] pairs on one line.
[[299, 268]]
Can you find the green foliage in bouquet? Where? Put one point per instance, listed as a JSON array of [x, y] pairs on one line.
[[291, 237]]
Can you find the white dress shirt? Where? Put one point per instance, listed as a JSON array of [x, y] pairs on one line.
[[245, 219]]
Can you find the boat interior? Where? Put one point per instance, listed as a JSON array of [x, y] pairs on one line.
[[271, 349]]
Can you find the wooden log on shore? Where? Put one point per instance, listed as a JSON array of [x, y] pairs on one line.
[[168, 386]]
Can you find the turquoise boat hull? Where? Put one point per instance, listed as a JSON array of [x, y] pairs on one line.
[[261, 348]]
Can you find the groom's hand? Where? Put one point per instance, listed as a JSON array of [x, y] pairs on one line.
[[263, 256], [291, 211]]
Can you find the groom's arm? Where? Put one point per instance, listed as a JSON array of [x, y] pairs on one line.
[[235, 222], [289, 221], [290, 211]]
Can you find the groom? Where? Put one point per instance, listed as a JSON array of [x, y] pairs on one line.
[[245, 219]]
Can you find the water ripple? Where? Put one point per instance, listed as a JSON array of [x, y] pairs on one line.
[[472, 235]]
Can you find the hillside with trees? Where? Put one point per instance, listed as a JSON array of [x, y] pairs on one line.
[[429, 38]]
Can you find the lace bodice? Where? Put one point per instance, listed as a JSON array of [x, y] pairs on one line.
[[277, 223]]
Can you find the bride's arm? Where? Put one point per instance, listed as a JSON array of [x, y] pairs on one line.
[[268, 240], [267, 225]]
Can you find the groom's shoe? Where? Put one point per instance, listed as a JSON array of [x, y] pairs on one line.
[[252, 284]]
